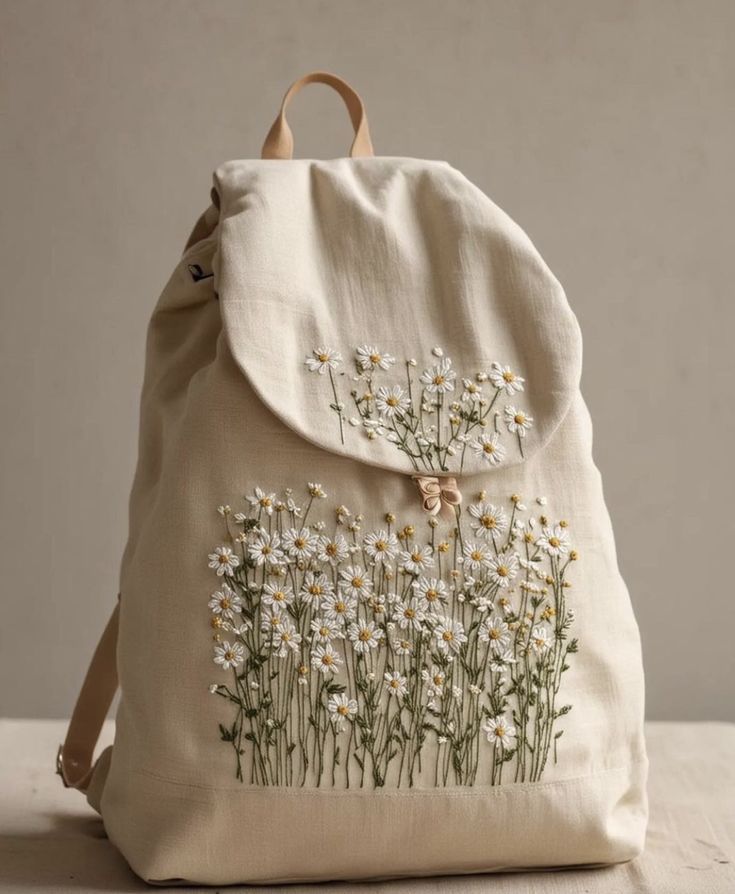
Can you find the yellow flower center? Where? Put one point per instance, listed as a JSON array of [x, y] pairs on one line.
[[438, 680], [343, 710], [266, 550], [279, 596], [489, 522], [432, 595], [364, 635], [315, 590], [299, 543], [229, 654], [323, 358], [381, 546], [476, 555], [224, 560], [303, 670], [392, 401], [438, 379], [340, 607], [488, 447], [327, 660], [554, 541], [324, 631], [502, 571], [499, 731], [286, 637], [225, 603], [508, 376], [358, 583], [494, 633], [375, 358], [395, 684], [447, 636], [410, 614], [331, 549]]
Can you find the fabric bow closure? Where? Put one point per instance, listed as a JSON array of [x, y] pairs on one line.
[[438, 495]]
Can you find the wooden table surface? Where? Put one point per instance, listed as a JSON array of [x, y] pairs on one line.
[[51, 841]]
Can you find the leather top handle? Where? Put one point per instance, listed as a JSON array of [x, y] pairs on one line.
[[279, 142]]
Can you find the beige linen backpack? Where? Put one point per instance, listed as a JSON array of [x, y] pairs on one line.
[[371, 622]]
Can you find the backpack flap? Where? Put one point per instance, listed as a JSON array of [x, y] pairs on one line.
[[387, 310]]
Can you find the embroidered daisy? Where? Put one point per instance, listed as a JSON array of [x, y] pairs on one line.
[[495, 632], [472, 391], [540, 641], [490, 521], [265, 549], [449, 635], [517, 421], [274, 594], [417, 559], [436, 678], [316, 491], [499, 661], [332, 549], [322, 360], [499, 732], [326, 629], [340, 607], [439, 379], [259, 499], [341, 708], [369, 358], [299, 544], [272, 620], [223, 560], [326, 660], [225, 602], [476, 557], [432, 591], [364, 636], [489, 448], [504, 379], [409, 614], [402, 646], [503, 568], [392, 401], [395, 684], [285, 639], [228, 655], [381, 546], [355, 583], [315, 588], [554, 541]]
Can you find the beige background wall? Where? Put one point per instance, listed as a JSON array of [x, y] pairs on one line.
[[604, 128]]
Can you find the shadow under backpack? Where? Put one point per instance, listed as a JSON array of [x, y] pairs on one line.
[[371, 622]]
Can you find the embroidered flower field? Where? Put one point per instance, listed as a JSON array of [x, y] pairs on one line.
[[433, 417], [396, 656]]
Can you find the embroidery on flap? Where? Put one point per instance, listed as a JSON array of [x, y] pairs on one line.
[[393, 657], [432, 417]]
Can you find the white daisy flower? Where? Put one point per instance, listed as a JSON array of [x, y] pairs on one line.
[[439, 379], [402, 646], [504, 379], [341, 708], [395, 684], [272, 620], [503, 568], [432, 591], [435, 677], [364, 636], [228, 655], [496, 632], [499, 661], [326, 629], [299, 544], [316, 587], [392, 401], [323, 359], [381, 546], [554, 541], [540, 640], [340, 607], [285, 639], [409, 614], [326, 659], [449, 635], [472, 391], [259, 499], [499, 731], [491, 521], [417, 559], [355, 582], [225, 602], [266, 550], [517, 421], [476, 557], [223, 560], [369, 358], [332, 549], [274, 594], [489, 448]]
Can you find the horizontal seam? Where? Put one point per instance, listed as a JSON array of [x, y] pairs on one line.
[[479, 791]]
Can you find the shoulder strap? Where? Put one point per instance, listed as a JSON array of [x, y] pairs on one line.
[[279, 142], [75, 756]]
